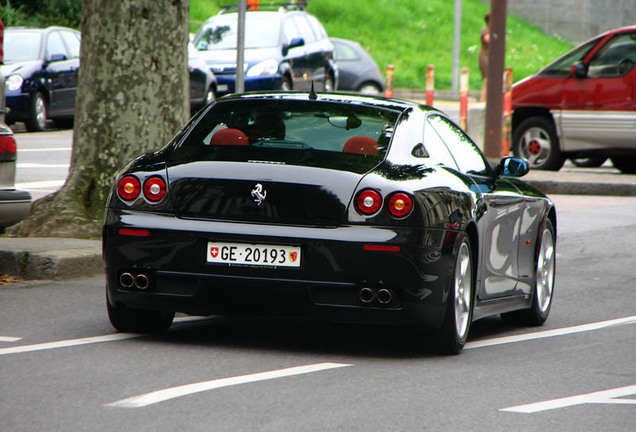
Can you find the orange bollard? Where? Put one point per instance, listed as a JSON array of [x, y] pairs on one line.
[[388, 91], [430, 84], [507, 113], [463, 98]]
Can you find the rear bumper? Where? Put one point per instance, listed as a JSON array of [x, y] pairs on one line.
[[335, 267], [15, 205]]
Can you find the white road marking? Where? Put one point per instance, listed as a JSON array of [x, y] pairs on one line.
[[40, 184], [188, 389], [9, 339], [601, 397], [41, 165], [68, 343], [40, 150], [87, 340], [551, 333]]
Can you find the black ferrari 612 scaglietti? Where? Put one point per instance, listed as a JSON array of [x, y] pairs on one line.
[[342, 207]]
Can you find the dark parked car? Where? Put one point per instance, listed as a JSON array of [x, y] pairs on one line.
[[284, 49], [582, 105], [41, 72], [343, 207], [357, 71]]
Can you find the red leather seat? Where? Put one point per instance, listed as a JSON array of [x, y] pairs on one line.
[[361, 145], [229, 136]]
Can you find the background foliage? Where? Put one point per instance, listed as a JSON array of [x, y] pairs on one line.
[[410, 34]]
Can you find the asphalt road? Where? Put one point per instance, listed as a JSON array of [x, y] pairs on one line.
[[63, 368]]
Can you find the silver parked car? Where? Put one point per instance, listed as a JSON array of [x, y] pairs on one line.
[[15, 205]]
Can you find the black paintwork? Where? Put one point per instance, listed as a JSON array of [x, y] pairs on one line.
[[312, 206]]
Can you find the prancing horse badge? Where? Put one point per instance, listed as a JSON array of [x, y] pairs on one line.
[[259, 194]]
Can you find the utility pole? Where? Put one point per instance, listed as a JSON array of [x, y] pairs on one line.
[[456, 45], [240, 48], [494, 89]]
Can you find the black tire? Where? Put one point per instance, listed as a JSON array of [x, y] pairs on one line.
[[139, 320], [329, 84], [453, 334], [38, 114], [545, 266], [535, 139], [625, 164], [286, 85], [590, 162]]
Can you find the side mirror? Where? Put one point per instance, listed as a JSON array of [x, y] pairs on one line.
[[57, 57], [513, 167], [579, 70], [295, 42]]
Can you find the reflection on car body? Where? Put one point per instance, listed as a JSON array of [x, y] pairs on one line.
[[357, 209]]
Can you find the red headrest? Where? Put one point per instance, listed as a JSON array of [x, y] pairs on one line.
[[229, 136], [361, 145]]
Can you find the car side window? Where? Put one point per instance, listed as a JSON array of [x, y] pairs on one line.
[[290, 29], [55, 45], [345, 52], [72, 43], [616, 58], [435, 146], [319, 30], [468, 157], [305, 29]]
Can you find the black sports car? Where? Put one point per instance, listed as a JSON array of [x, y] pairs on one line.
[[348, 208]]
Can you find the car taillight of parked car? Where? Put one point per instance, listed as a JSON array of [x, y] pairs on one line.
[[7, 145], [129, 188], [154, 189]]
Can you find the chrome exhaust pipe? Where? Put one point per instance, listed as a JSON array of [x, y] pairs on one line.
[[142, 282], [126, 280], [384, 296], [367, 295]]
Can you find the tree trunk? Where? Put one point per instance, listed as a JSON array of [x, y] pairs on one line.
[[132, 98]]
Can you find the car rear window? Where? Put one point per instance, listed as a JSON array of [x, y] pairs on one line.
[[298, 132]]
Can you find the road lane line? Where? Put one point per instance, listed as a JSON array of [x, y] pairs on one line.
[[89, 340], [551, 333], [41, 165], [601, 397], [68, 343], [40, 150], [188, 389], [9, 339]]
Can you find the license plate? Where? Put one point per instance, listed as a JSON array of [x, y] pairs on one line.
[[253, 254]]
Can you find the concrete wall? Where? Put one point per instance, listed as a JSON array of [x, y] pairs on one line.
[[574, 20]]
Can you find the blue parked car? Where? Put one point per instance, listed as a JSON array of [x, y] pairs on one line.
[[285, 49], [41, 72]]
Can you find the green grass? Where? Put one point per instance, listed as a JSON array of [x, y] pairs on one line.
[[411, 34]]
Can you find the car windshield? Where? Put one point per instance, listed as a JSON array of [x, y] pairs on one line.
[[261, 31], [563, 65], [297, 132], [21, 46]]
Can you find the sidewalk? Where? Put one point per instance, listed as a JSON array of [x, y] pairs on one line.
[[60, 259]]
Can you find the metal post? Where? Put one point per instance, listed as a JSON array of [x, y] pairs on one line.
[[430, 84], [463, 99], [388, 90], [507, 113], [240, 48], [456, 44]]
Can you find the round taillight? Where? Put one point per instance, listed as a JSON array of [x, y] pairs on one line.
[[369, 201], [129, 188], [154, 189], [400, 204]]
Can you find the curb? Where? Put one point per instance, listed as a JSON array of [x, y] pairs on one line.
[[50, 258]]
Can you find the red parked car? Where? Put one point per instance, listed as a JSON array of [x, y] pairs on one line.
[[583, 105]]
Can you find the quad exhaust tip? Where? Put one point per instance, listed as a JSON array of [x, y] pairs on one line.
[[367, 295], [126, 280], [142, 282], [384, 296]]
